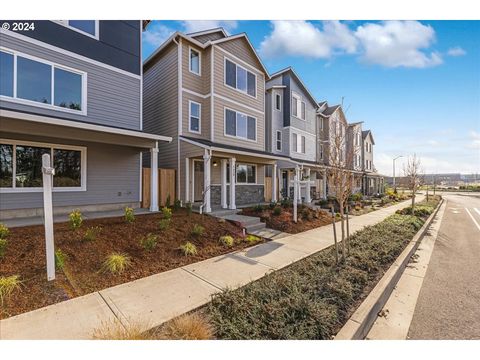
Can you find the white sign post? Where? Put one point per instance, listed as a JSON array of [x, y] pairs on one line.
[[47, 174], [295, 196]]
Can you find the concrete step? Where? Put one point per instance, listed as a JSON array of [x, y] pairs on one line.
[[223, 213], [255, 227]]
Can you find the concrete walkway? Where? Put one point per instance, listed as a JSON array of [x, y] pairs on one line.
[[161, 297]]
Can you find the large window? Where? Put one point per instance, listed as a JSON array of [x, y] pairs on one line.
[[86, 27], [240, 125], [194, 117], [21, 166], [298, 143], [240, 78], [194, 61], [41, 83], [246, 174], [298, 107], [279, 140]]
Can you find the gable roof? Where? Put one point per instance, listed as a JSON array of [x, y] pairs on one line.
[[355, 123], [206, 45], [330, 110], [365, 133], [299, 80], [209, 31]]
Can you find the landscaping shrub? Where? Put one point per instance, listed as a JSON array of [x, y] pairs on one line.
[[167, 213], [116, 263], [197, 230], [312, 298], [188, 206], [258, 208], [8, 285], [168, 201], [227, 240], [115, 330], [286, 202], [306, 214], [187, 327], [188, 249], [149, 242], [252, 238], [60, 259], [277, 211], [75, 219], [272, 205], [3, 247], [129, 215], [4, 231], [356, 197], [91, 233], [420, 210], [164, 224], [177, 204]]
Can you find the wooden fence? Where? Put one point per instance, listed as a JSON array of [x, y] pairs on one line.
[[166, 186]]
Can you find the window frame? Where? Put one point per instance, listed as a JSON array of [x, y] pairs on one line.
[[52, 146], [236, 125], [53, 66], [67, 25], [277, 141], [225, 59], [246, 183], [190, 48], [279, 96], [190, 102], [300, 104]]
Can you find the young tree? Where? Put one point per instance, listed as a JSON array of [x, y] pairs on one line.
[[340, 175], [413, 173]]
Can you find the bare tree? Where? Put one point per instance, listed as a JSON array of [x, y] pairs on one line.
[[340, 175], [413, 173]]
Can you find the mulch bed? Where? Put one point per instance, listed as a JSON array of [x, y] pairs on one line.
[[25, 255], [307, 218]]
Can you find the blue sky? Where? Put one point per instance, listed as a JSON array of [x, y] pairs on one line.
[[415, 84]]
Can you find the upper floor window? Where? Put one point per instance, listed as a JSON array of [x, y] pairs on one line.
[[37, 82], [240, 125], [194, 117], [279, 140], [321, 152], [278, 102], [240, 78], [302, 144], [298, 107], [298, 143], [86, 27], [194, 61]]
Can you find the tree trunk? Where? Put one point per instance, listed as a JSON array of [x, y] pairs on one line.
[[342, 221], [413, 202], [348, 231], [335, 235]]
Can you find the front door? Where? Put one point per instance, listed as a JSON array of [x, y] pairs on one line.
[[198, 181], [285, 189]]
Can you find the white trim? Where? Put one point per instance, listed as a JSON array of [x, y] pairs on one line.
[[190, 48], [236, 136], [239, 104], [276, 140], [83, 164], [180, 86], [225, 58], [141, 77], [83, 126], [66, 52], [190, 102], [95, 36], [299, 101], [306, 133], [212, 91], [209, 31], [246, 183], [196, 94], [301, 83], [53, 66]]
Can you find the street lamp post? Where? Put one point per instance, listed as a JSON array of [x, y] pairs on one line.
[[399, 156]]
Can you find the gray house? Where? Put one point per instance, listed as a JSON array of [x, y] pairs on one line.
[[372, 183], [291, 131], [72, 89]]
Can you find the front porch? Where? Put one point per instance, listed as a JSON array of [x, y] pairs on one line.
[[309, 192]]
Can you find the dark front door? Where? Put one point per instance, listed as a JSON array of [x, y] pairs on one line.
[[198, 181]]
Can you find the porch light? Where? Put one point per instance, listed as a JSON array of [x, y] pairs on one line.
[[215, 163]]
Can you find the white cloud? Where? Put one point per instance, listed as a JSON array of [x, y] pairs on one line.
[[398, 44], [303, 38], [474, 140], [199, 25], [156, 34], [456, 51]]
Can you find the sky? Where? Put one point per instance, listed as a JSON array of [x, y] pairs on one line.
[[415, 84]]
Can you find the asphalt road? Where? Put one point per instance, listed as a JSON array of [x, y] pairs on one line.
[[448, 306]]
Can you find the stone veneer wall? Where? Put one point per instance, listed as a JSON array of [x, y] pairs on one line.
[[244, 194]]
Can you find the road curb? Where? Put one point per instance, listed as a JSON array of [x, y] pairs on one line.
[[360, 323]]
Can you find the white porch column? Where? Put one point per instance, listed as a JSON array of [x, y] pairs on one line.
[[274, 183], [233, 181], [187, 180], [297, 185], [154, 178], [223, 193], [325, 179], [308, 198], [206, 181]]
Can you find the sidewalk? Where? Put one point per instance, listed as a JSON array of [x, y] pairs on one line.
[[161, 297]]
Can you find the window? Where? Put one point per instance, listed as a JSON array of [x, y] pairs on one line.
[[240, 125], [303, 111], [298, 107], [278, 102], [298, 143], [42, 83], [279, 140], [240, 78], [194, 117], [194, 61], [302, 149], [21, 166], [246, 174], [321, 152], [86, 27], [294, 142]]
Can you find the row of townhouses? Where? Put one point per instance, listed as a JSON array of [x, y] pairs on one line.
[[202, 104]]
